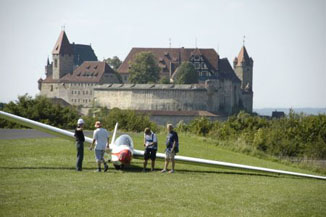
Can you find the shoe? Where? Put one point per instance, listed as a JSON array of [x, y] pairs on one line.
[[163, 171], [106, 167], [171, 171], [98, 170]]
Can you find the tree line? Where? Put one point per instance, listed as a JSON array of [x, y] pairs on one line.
[[43, 110], [296, 135]]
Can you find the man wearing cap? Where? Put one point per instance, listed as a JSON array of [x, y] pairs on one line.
[[172, 147], [80, 139], [101, 141]]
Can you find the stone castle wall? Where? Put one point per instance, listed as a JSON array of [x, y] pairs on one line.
[[73, 93], [215, 97], [157, 97]]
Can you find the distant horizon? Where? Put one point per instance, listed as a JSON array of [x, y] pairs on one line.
[[307, 110]]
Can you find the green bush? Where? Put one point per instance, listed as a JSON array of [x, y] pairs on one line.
[[128, 120], [200, 126], [42, 110], [297, 135]]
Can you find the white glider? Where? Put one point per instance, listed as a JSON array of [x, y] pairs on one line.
[[122, 149]]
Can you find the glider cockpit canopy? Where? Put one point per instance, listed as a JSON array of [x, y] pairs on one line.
[[124, 140]]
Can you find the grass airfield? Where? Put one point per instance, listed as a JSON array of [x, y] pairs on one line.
[[37, 178]]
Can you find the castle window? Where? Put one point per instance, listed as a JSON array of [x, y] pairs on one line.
[[72, 92], [55, 63], [78, 92], [51, 88], [196, 57], [197, 65], [203, 65]]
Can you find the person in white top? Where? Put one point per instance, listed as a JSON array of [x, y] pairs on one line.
[[101, 141], [150, 143]]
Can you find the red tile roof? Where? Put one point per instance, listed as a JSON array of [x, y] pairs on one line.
[[243, 56], [171, 57], [88, 71], [63, 46], [226, 71]]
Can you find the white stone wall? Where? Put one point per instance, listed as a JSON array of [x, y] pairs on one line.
[[73, 93], [155, 99], [219, 96]]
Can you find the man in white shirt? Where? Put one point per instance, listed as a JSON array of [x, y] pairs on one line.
[[101, 141], [150, 143]]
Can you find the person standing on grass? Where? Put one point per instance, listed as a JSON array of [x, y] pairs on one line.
[[172, 147], [101, 141], [150, 143], [80, 139]]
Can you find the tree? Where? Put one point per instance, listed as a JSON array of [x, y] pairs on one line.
[[164, 80], [2, 105], [144, 69], [43, 110], [114, 62], [186, 74]]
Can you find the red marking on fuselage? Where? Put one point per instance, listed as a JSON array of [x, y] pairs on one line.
[[124, 156]]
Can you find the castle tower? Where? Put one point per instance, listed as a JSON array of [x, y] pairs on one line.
[[63, 57], [243, 65], [48, 68]]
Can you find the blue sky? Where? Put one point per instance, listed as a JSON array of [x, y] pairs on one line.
[[286, 39]]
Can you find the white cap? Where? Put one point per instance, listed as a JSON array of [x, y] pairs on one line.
[[80, 121]]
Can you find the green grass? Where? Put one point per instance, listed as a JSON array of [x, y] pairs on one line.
[[37, 178]]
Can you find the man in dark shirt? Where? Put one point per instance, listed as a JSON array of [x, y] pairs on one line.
[[80, 139], [172, 147]]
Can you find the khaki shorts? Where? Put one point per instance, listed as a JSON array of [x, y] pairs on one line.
[[99, 155], [169, 155]]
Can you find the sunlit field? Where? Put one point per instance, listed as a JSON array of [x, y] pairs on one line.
[[37, 178]]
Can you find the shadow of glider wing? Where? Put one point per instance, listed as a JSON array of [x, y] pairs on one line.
[[140, 154]]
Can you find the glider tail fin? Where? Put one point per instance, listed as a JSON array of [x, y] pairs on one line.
[[114, 135]]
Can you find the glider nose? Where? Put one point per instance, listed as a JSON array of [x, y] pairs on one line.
[[125, 157]]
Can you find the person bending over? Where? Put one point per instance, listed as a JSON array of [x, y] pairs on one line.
[[150, 143]]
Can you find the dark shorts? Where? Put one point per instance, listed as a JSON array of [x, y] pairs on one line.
[[150, 154]]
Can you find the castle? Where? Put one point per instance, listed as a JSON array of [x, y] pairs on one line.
[[76, 76]]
